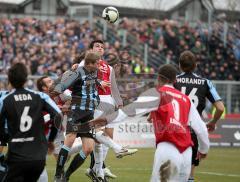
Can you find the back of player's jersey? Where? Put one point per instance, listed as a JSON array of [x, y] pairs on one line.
[[22, 109], [197, 88], [171, 119]]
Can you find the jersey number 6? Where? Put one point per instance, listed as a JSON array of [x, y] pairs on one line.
[[26, 120]]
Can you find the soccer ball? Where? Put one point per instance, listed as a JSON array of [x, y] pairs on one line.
[[110, 14]]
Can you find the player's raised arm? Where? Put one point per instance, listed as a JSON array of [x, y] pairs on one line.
[[68, 78], [146, 102], [200, 129], [115, 92]]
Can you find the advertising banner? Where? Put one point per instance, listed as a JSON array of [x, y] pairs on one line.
[[139, 133]]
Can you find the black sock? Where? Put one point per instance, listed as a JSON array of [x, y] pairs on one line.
[[190, 179], [62, 157], [103, 165], [1, 158], [92, 160], [77, 161]]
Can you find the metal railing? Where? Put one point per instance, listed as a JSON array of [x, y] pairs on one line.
[[134, 85]]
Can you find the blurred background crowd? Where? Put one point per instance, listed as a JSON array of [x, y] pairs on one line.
[[49, 47]]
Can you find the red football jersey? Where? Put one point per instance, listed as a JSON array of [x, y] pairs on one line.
[[46, 116], [47, 123], [104, 75], [171, 118]]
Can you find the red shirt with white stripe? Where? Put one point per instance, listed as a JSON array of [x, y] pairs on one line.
[[172, 113], [104, 75], [170, 120]]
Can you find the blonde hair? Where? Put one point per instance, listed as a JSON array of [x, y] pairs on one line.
[[91, 57]]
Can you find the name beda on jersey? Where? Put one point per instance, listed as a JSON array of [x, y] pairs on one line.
[[191, 81], [22, 97]]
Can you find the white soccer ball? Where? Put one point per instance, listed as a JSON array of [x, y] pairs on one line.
[[110, 14]]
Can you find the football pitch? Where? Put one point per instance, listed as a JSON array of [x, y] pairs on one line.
[[221, 165]]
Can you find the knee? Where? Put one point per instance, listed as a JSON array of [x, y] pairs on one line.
[[69, 140], [87, 149]]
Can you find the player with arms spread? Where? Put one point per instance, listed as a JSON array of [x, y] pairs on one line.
[[171, 113], [198, 89]]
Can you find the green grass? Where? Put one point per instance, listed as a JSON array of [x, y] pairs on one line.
[[222, 165]]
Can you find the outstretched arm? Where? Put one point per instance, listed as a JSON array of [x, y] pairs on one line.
[[68, 78], [114, 88], [146, 102]]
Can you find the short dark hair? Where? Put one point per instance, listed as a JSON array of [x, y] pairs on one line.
[[91, 57], [41, 83], [187, 61], [17, 75], [167, 73], [95, 41]]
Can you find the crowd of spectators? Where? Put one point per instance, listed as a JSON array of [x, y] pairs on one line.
[[169, 38], [45, 47], [49, 48]]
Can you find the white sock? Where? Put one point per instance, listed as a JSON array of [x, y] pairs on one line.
[[44, 176], [106, 140], [75, 149], [105, 151], [98, 156]]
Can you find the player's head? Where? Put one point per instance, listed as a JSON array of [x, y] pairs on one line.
[[17, 75], [97, 46], [44, 84], [91, 61], [187, 62], [167, 74]]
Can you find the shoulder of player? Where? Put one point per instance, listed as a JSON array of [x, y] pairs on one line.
[[103, 62], [198, 76], [183, 74], [5, 95], [81, 71], [38, 93], [174, 93], [209, 83]]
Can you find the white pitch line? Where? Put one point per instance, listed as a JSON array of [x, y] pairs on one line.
[[119, 169], [220, 174], [150, 169]]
